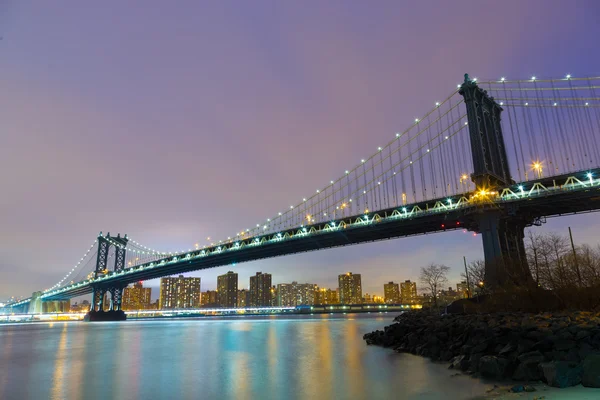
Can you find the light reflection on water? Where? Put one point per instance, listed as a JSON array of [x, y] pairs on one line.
[[304, 357]]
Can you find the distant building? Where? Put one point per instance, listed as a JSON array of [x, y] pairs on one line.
[[210, 298], [295, 294], [367, 299], [242, 298], [274, 296], [448, 296], [136, 297], [179, 292], [260, 290], [378, 299], [350, 288], [326, 296], [227, 287], [391, 293], [408, 292], [463, 288], [84, 306]]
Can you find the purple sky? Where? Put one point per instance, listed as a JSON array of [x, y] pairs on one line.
[[174, 121]]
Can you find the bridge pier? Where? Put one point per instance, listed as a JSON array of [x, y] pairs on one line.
[[97, 309], [504, 249]]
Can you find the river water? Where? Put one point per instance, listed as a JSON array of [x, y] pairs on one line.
[[298, 357]]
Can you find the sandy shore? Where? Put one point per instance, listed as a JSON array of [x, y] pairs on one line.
[[542, 392]]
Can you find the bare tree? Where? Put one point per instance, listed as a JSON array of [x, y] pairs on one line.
[[433, 278], [476, 271]]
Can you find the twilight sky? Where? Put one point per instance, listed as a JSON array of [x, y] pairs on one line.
[[175, 121]]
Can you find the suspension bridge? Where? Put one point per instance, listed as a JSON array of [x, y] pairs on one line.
[[493, 158]]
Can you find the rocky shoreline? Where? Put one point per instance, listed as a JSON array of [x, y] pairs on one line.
[[561, 349]]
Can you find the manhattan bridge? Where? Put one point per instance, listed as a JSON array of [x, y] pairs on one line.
[[494, 157]]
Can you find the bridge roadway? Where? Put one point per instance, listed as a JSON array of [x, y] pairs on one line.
[[546, 197]]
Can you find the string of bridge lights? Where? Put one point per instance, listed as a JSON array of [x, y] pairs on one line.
[[397, 137], [74, 268], [149, 251], [265, 226]]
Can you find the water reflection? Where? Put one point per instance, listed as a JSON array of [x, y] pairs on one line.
[[318, 357], [59, 366], [5, 357]]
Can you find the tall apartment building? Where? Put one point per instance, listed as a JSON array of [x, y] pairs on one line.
[[391, 292], [260, 290], [179, 292], [243, 298], [209, 298], [408, 292], [326, 296], [136, 297], [227, 287], [295, 294], [350, 288]]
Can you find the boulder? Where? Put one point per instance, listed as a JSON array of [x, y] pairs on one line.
[[459, 362], [474, 361], [493, 367], [564, 344], [591, 371], [528, 372], [562, 374], [582, 334]]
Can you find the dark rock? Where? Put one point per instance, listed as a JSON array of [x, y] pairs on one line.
[[591, 371], [446, 355], [529, 388], [493, 367], [466, 349], [509, 348], [562, 374], [584, 350], [528, 372], [481, 347], [564, 344], [531, 357], [525, 346], [582, 334], [536, 335], [517, 389], [474, 361], [565, 335], [573, 355]]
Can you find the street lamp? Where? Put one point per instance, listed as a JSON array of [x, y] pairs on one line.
[[537, 167]]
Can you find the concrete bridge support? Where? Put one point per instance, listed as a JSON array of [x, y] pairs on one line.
[[504, 250]]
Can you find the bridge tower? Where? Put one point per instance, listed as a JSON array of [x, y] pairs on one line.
[[502, 230], [97, 312]]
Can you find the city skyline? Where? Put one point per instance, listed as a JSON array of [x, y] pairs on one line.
[[347, 103]]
